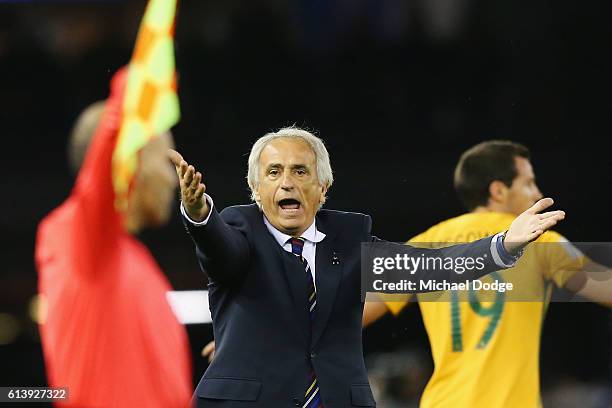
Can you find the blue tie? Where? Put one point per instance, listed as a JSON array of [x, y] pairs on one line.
[[312, 398]]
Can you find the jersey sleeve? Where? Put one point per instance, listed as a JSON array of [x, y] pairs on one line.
[[395, 302], [561, 258]]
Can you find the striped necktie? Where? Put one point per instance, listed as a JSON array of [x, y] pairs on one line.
[[312, 398]]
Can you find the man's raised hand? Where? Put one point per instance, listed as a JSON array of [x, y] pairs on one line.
[[192, 188], [531, 224]]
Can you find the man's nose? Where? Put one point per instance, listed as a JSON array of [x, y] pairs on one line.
[[287, 181]]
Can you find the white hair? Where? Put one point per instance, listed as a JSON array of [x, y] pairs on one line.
[[324, 171]]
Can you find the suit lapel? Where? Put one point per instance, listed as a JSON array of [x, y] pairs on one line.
[[293, 272], [328, 272], [328, 262]]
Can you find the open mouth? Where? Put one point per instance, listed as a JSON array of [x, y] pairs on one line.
[[289, 204]]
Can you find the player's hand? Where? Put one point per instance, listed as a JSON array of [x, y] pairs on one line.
[[531, 224], [192, 188], [209, 350]]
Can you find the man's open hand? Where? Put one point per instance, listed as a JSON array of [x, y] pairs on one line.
[[192, 188], [531, 224]]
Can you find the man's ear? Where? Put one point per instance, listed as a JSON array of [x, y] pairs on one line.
[[256, 195], [323, 196], [497, 191]]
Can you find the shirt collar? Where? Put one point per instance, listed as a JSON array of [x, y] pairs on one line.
[[311, 234]]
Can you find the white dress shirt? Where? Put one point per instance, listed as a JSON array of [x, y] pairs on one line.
[[311, 236]]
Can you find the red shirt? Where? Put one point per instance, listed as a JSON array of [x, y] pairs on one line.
[[109, 334]]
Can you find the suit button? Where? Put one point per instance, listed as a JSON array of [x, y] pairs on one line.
[[313, 354], [297, 402]]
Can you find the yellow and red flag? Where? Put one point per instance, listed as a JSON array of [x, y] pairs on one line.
[[110, 336], [150, 105]]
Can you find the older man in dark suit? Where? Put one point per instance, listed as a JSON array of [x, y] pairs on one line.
[[284, 279]]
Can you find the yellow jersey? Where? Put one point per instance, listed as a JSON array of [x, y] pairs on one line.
[[486, 353]]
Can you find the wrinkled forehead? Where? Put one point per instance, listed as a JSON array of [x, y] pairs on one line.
[[287, 152]]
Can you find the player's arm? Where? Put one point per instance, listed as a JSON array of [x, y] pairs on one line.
[[372, 311], [593, 282], [377, 305], [567, 267]]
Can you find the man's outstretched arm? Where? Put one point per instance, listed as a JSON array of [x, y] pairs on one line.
[[493, 253], [222, 248]]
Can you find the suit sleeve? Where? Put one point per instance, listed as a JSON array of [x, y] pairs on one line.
[[222, 247], [438, 259]]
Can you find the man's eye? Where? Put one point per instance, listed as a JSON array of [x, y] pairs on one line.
[[301, 172], [273, 172]]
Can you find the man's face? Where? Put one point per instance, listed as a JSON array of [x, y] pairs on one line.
[[524, 191], [289, 191], [156, 183]]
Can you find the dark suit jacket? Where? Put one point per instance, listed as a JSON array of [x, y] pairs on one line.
[[257, 294]]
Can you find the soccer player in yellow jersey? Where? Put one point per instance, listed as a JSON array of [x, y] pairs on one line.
[[486, 353]]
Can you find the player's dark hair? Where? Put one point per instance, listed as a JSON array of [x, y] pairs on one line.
[[482, 164]]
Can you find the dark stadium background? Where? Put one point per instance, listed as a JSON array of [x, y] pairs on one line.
[[397, 89]]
